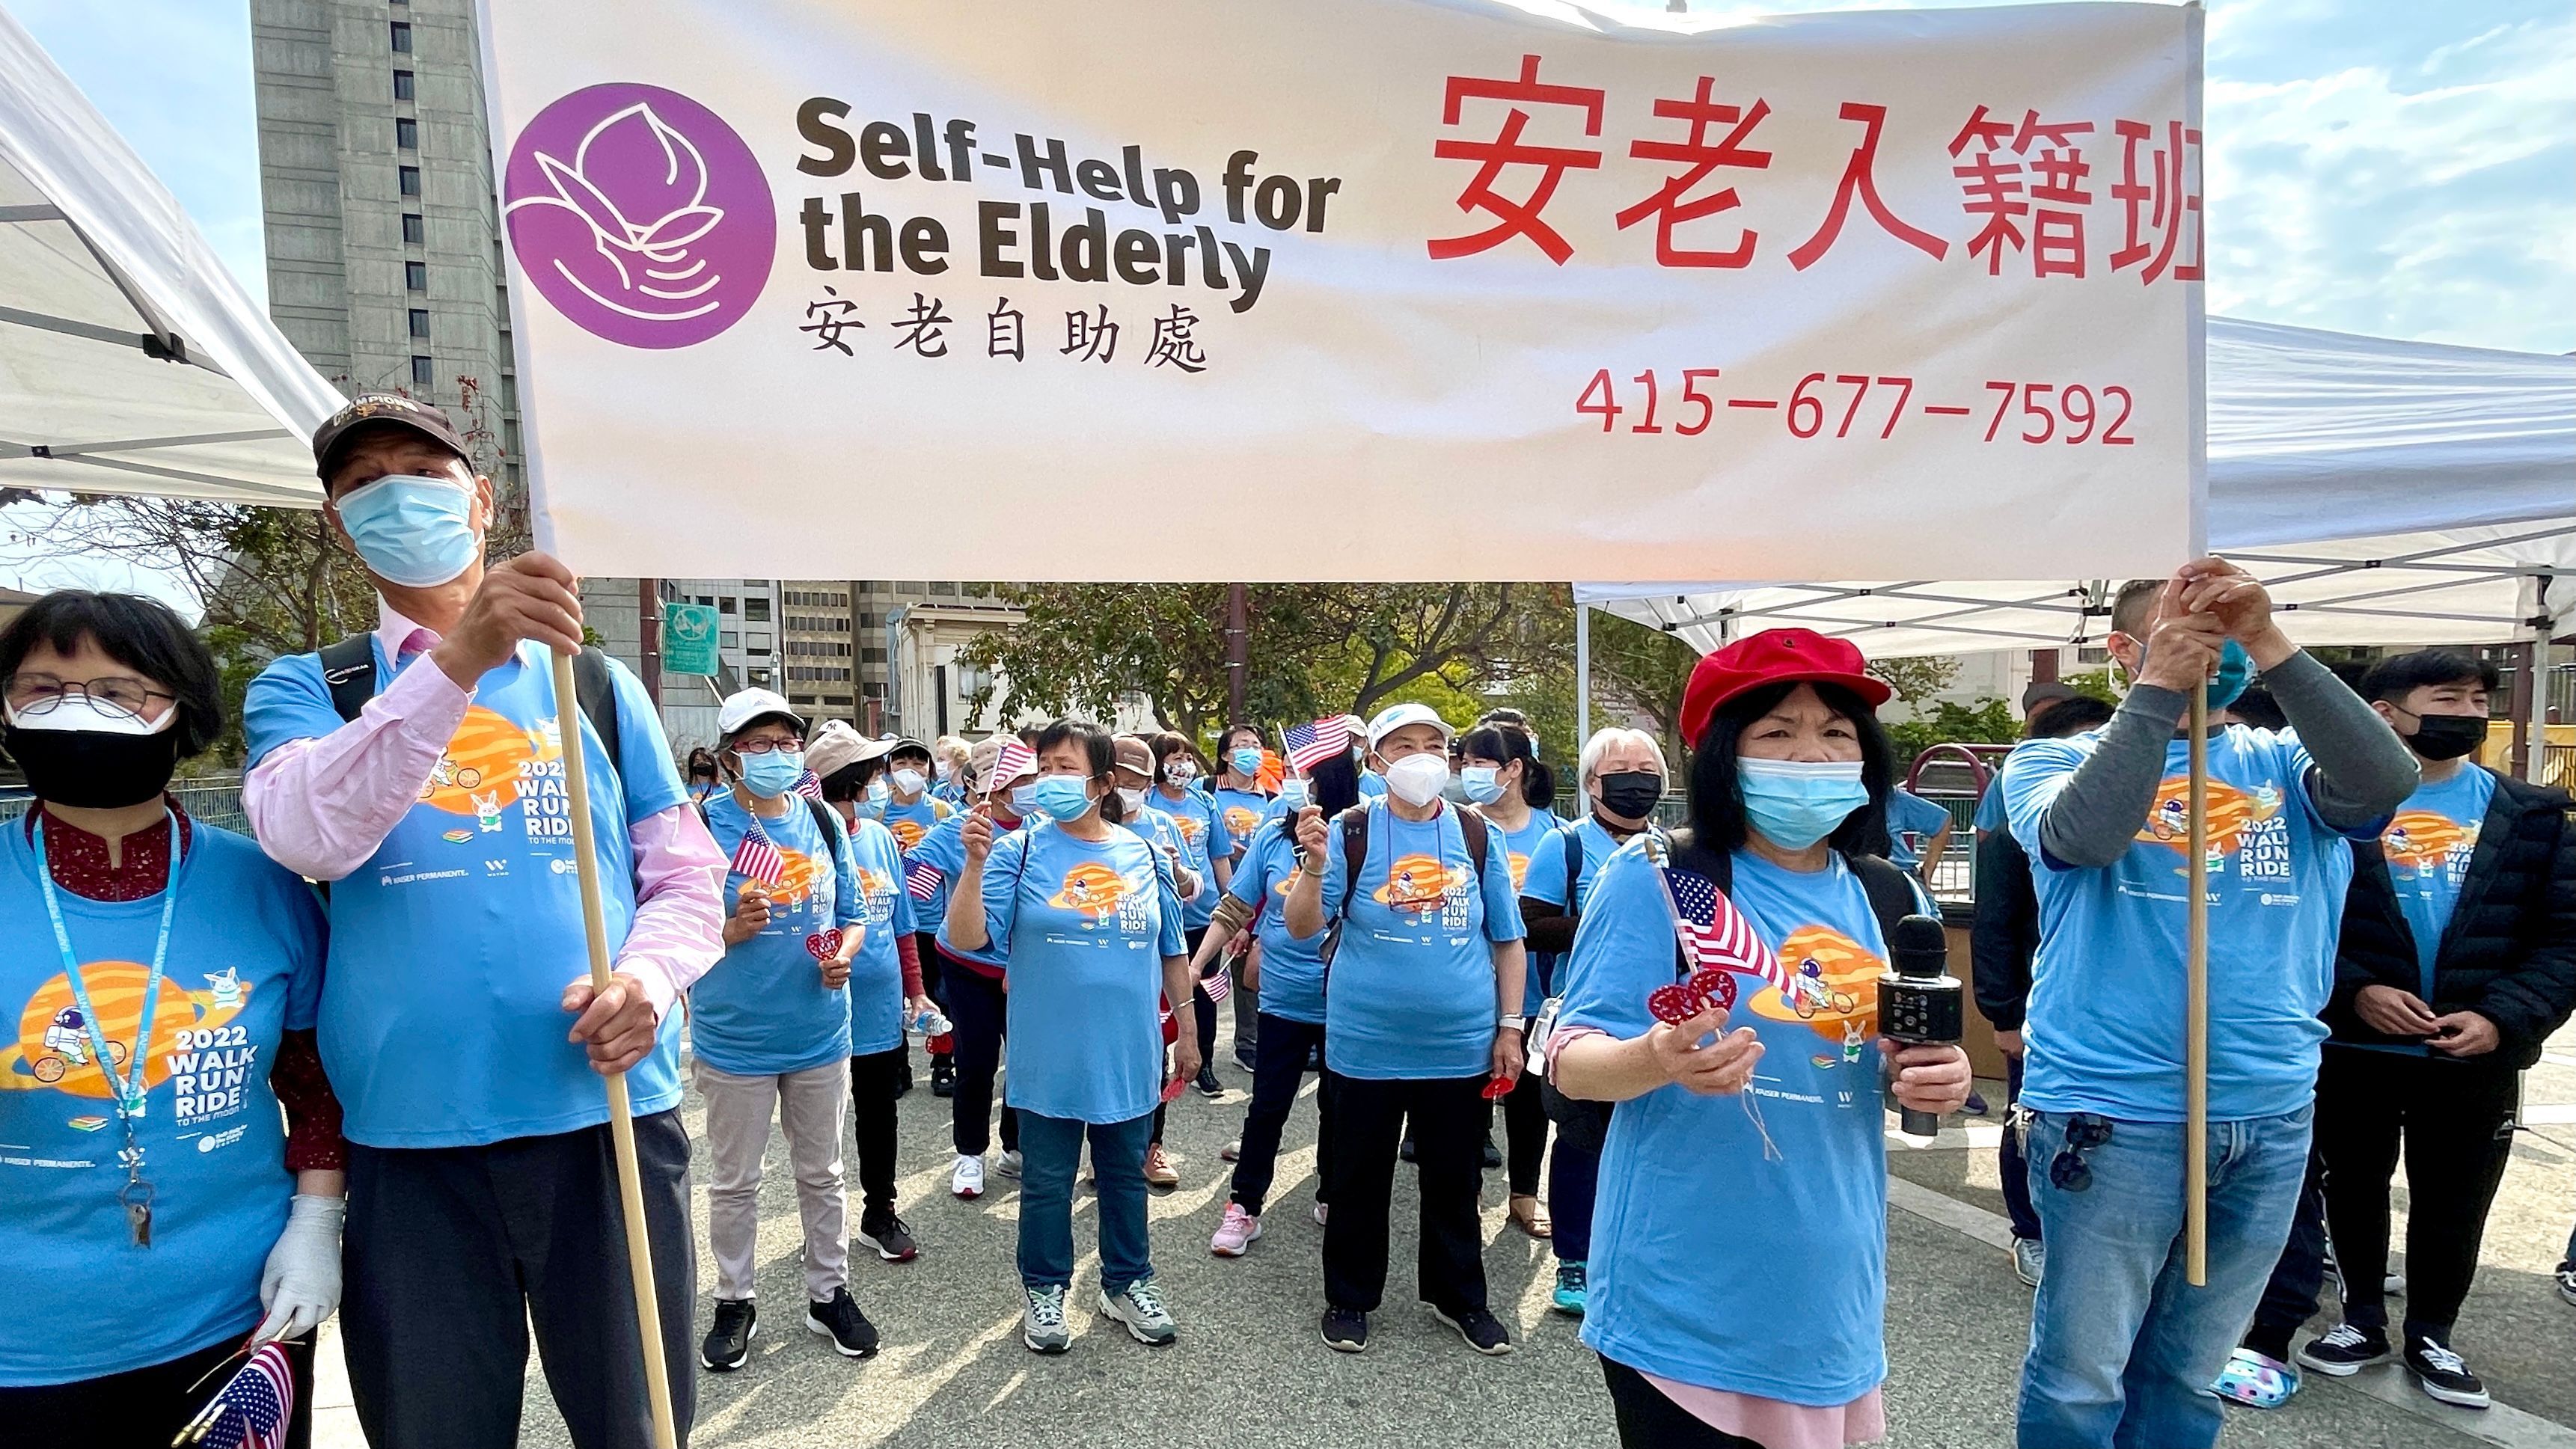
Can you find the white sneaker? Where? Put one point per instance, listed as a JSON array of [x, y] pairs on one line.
[[1008, 1164], [1140, 1307], [968, 1180], [1042, 1321], [1324, 1211]]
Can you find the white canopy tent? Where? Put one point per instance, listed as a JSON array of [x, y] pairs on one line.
[[131, 361], [2389, 492]]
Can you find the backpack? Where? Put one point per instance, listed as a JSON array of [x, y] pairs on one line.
[[349, 672], [1472, 828], [1586, 1124]]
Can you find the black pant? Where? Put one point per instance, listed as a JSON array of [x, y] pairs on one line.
[[934, 979], [1524, 1133], [2011, 1166], [980, 1011], [1202, 1010], [1649, 1420], [1449, 1126], [449, 1252], [1278, 1070], [147, 1407], [2290, 1296], [2456, 1119], [872, 1122]]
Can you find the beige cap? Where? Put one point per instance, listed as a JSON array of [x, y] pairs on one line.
[[982, 759], [1132, 753]]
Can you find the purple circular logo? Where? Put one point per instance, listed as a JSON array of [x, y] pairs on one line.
[[640, 215]]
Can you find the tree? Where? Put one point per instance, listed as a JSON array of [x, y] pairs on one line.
[[1989, 721], [1918, 679]]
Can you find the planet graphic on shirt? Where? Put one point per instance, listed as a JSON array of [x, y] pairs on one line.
[[876, 894], [1092, 889], [1191, 827], [2421, 839], [54, 1047], [1241, 821], [795, 877], [481, 771], [1833, 984], [1520, 868], [1418, 883], [2231, 813], [907, 833]]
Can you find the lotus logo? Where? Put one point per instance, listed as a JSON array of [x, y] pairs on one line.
[[639, 215]]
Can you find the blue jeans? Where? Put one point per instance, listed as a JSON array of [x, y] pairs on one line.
[[2122, 1350], [1051, 1152]]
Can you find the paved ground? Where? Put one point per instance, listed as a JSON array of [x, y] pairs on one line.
[[1249, 1371]]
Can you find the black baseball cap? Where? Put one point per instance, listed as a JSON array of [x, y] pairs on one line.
[[386, 408]]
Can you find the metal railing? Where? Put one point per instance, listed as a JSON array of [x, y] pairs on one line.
[[216, 800]]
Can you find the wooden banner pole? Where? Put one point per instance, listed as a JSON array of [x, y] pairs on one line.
[[621, 1113], [2195, 1065]]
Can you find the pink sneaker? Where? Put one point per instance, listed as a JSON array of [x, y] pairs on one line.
[[1236, 1233]]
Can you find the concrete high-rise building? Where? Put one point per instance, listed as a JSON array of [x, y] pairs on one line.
[[385, 270]]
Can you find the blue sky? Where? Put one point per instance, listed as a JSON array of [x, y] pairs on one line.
[[2395, 167]]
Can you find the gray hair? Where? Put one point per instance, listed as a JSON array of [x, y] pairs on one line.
[[1600, 744]]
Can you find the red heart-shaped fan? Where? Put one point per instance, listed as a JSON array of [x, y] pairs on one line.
[[1674, 1004], [824, 945], [1714, 988]]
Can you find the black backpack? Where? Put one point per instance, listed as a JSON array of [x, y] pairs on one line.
[[1586, 1124], [349, 672]]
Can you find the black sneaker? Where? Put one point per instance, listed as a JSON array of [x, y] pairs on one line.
[[2440, 1373], [903, 1076], [2566, 1276], [1482, 1330], [1345, 1330], [1207, 1082], [728, 1343], [841, 1321], [888, 1236], [943, 1077], [2345, 1351], [1493, 1154]]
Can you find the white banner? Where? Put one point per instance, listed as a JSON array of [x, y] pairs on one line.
[[1352, 289]]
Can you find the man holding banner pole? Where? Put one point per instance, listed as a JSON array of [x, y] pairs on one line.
[[422, 770], [2123, 1349]]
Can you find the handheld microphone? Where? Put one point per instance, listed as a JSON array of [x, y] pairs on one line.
[[1919, 1001]]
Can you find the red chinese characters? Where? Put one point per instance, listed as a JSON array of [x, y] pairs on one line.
[[2035, 173], [1860, 178], [1515, 217], [2155, 203], [1700, 156]]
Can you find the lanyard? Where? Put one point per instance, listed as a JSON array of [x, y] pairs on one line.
[[130, 1093]]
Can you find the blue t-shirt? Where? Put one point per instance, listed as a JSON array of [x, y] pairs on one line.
[[2105, 1023], [1372, 785], [1990, 803], [944, 851], [910, 823], [763, 1010], [1545, 882], [885, 910], [1201, 822], [1521, 847], [442, 1006], [1411, 994], [2428, 846], [1912, 823], [1718, 1260], [244, 965], [1241, 812], [1292, 971], [1085, 926]]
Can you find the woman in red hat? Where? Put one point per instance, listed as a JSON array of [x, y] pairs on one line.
[[1738, 1271]]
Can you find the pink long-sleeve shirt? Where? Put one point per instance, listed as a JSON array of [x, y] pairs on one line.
[[322, 806]]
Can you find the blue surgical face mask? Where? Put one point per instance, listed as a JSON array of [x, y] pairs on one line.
[[412, 529], [1245, 762], [1797, 803], [877, 793], [773, 774], [2235, 672], [1483, 784], [1292, 794], [1024, 800], [1063, 797]]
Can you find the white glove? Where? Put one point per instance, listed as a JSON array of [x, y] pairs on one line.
[[301, 1284]]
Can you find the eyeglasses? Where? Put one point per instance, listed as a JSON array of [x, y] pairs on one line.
[[762, 747], [118, 694], [2068, 1171]]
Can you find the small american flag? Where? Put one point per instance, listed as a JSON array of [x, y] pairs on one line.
[[810, 785], [252, 1409], [1715, 936], [1015, 760], [1313, 743], [757, 859], [1218, 984], [920, 878]]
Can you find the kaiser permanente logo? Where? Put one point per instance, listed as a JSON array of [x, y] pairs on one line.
[[640, 215]]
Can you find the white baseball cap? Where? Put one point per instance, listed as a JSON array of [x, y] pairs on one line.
[[741, 708], [1396, 716]]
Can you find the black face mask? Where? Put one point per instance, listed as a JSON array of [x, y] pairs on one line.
[[1632, 794], [93, 770], [2447, 736]]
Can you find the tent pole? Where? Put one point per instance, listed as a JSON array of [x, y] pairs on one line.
[[1582, 674], [2536, 748], [2195, 1065], [621, 1114]]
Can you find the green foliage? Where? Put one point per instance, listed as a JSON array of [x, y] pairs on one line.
[[1918, 679], [1989, 721], [2094, 684]]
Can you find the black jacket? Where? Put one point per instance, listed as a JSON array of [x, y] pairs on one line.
[[2006, 930], [2509, 953]]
